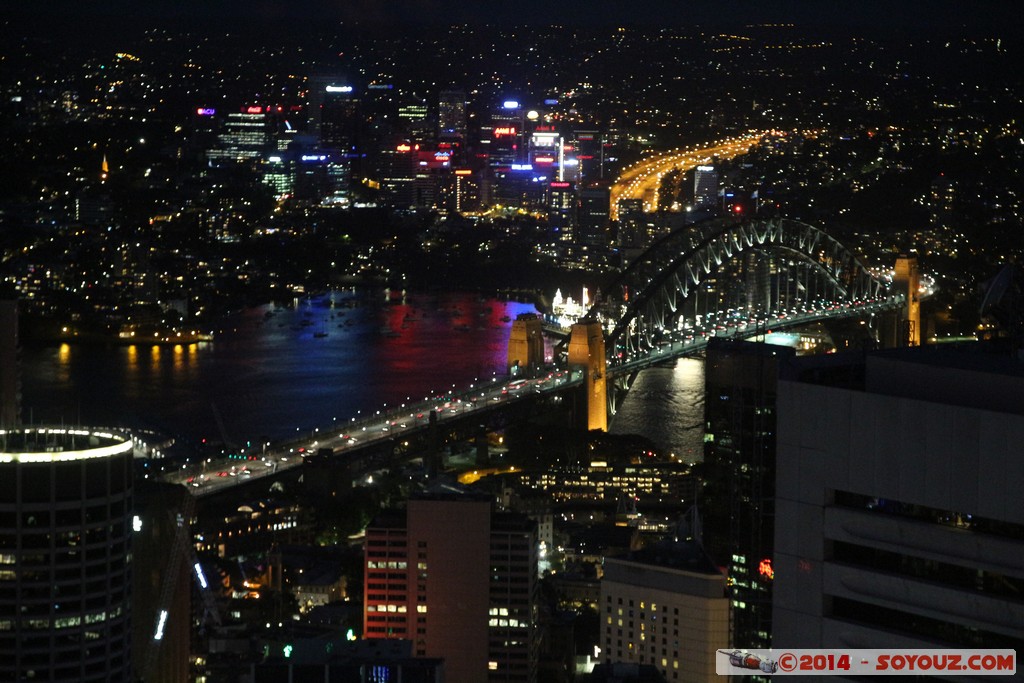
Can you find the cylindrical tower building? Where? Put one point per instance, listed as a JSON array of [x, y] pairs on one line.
[[65, 555]]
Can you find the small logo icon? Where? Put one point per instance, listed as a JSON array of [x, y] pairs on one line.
[[747, 660]]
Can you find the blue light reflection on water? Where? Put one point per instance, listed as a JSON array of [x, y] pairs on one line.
[[299, 367]]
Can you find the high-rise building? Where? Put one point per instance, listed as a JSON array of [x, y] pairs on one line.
[[899, 517], [665, 605], [65, 556], [705, 187], [340, 118], [562, 209], [451, 115], [594, 215], [416, 121], [632, 234], [738, 496], [244, 137], [588, 146], [468, 597], [10, 382]]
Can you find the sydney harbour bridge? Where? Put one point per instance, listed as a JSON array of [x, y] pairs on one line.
[[725, 277]]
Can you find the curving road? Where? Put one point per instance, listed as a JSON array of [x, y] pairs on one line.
[[641, 180]]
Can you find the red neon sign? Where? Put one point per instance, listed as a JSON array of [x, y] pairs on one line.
[[764, 568], [504, 130], [563, 185], [544, 160], [254, 110]]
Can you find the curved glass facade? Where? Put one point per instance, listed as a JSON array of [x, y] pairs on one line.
[[65, 555]]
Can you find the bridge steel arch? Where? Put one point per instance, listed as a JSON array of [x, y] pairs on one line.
[[648, 294]]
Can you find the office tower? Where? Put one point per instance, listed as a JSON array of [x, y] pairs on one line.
[[899, 514], [451, 115], [415, 122], [665, 605], [10, 382], [505, 136], [594, 215], [467, 193], [244, 137], [545, 151], [738, 494], [562, 209], [65, 549], [589, 148], [632, 233], [335, 114], [705, 187], [469, 597], [397, 172]]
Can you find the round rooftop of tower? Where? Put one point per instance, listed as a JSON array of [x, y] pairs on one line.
[[58, 444], [65, 555]]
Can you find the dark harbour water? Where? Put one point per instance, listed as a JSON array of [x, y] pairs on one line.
[[666, 404], [276, 369]]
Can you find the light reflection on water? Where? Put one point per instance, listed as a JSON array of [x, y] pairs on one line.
[[273, 369], [666, 404], [313, 360]]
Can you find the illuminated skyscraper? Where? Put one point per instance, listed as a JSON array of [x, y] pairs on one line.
[[705, 187], [469, 597], [65, 556], [451, 115], [244, 138]]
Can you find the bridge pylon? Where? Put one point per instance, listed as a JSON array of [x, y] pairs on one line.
[[586, 352], [907, 280], [526, 346]]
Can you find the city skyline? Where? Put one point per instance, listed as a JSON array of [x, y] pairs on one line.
[[355, 276]]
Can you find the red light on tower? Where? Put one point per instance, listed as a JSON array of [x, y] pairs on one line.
[[737, 209]]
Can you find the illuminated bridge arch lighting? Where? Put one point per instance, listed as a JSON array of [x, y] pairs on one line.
[[50, 444]]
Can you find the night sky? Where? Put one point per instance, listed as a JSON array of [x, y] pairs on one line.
[[950, 16]]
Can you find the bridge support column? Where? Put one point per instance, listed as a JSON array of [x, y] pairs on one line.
[[526, 346], [908, 280], [586, 352]]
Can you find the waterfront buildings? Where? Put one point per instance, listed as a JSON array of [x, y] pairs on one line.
[[65, 556], [899, 520], [465, 593]]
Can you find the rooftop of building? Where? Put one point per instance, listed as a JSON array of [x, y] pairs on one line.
[[683, 554], [981, 375], [57, 444]]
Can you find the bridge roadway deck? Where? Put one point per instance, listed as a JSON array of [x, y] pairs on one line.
[[357, 434]]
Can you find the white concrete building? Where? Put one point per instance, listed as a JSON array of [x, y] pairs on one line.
[[900, 511]]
